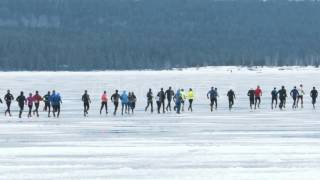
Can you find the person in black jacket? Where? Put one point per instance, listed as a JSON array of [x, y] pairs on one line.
[[132, 102], [231, 96], [115, 99], [149, 100], [162, 97], [251, 93], [86, 102], [169, 94], [314, 96], [47, 104], [282, 97], [8, 98], [21, 102]]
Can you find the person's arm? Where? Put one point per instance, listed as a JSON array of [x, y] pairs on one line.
[[208, 94], [89, 99]]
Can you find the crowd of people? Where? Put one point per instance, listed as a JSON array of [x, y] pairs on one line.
[[52, 101], [297, 95]]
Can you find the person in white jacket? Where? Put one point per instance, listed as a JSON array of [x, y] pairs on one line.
[[300, 97]]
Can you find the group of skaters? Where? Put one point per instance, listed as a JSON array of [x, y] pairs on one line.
[[164, 100], [297, 95], [33, 100], [128, 102], [254, 95], [178, 98]]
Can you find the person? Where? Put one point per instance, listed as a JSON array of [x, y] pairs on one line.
[[231, 96], [178, 100], [314, 96], [56, 102], [300, 96], [149, 100], [86, 103], [216, 98], [158, 101], [282, 97], [294, 94], [274, 96], [8, 98], [30, 101], [47, 105], [115, 99], [132, 102], [190, 96], [37, 98], [183, 98], [162, 97], [124, 102], [169, 94], [104, 102], [257, 99], [212, 95], [21, 99], [251, 94]]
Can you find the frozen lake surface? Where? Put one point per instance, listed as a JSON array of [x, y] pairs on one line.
[[239, 145]]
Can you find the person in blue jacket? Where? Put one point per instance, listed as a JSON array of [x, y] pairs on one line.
[[294, 94], [212, 95], [55, 100], [178, 99], [124, 101]]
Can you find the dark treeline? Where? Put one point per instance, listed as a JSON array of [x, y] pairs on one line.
[[156, 34]]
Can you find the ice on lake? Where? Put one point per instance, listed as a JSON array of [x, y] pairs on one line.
[[239, 145]]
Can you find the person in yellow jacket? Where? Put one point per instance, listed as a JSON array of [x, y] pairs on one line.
[[183, 98], [190, 96]]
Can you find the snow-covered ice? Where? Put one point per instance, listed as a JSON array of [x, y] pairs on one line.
[[223, 145]]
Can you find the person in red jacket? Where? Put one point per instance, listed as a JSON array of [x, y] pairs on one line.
[[104, 102], [37, 98], [257, 95]]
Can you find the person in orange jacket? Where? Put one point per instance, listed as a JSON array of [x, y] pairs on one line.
[[104, 102]]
